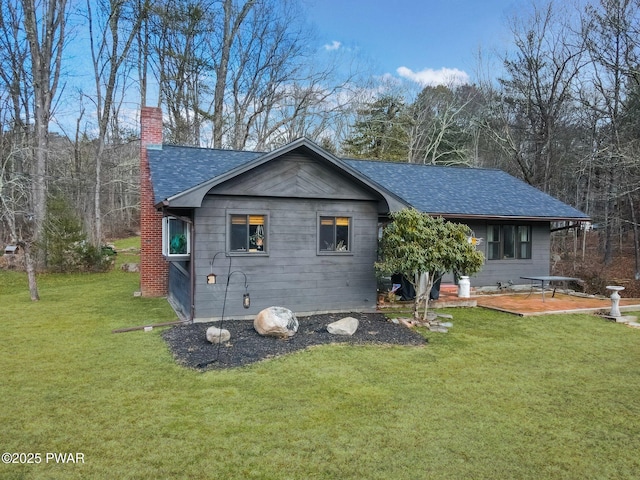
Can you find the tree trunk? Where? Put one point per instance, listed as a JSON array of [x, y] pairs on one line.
[[30, 266], [45, 36], [636, 237], [230, 31], [416, 299], [608, 222], [97, 199], [428, 286], [143, 49]]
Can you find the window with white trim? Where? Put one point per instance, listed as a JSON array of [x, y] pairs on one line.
[[176, 238], [247, 233], [334, 234], [506, 242]]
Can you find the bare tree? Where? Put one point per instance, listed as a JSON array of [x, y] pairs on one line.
[[277, 92], [14, 53], [109, 54], [315, 109], [183, 64], [610, 34], [142, 47], [15, 135], [536, 94], [44, 27], [233, 17], [242, 74], [32, 39], [439, 132]]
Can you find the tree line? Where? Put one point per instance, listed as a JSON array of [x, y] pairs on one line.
[[562, 114]]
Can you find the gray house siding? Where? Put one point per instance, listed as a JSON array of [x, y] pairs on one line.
[[180, 288], [494, 271], [298, 176], [291, 273], [291, 192]]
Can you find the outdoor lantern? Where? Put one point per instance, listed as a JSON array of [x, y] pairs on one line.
[[246, 301], [211, 278]]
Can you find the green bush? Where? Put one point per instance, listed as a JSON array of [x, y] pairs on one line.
[[66, 244], [82, 256]]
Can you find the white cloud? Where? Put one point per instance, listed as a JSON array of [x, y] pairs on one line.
[[335, 45], [430, 77]]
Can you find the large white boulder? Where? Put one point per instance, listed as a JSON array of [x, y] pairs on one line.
[[276, 322], [345, 326]]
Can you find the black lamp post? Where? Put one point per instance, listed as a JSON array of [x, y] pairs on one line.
[[212, 279]]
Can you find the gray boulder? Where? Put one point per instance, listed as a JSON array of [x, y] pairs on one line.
[[218, 335], [344, 326], [276, 322]]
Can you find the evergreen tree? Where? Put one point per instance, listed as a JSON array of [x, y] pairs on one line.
[[380, 132]]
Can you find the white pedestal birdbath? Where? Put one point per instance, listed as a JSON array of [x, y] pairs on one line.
[[615, 300]]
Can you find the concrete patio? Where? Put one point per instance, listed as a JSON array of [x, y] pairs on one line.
[[526, 303]]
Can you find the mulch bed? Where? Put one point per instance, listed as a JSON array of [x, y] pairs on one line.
[[191, 348]]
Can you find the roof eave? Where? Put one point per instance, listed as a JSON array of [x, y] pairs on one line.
[[511, 217]]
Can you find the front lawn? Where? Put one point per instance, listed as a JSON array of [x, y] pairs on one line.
[[497, 397]]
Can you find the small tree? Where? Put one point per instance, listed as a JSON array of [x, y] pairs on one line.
[[66, 244], [417, 245]]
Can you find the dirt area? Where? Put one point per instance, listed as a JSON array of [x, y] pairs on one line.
[[190, 347]]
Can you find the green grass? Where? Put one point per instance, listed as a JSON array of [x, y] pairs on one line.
[[497, 397]]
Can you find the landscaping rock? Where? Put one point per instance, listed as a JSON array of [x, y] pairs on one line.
[[130, 267], [344, 326], [431, 316], [218, 335], [438, 328], [276, 322]]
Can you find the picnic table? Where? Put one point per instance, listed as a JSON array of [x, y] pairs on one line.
[[548, 280]]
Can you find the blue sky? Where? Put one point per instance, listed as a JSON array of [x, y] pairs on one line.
[[415, 39]]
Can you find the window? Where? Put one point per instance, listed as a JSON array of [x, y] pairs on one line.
[[508, 242], [334, 234], [247, 233], [176, 239]]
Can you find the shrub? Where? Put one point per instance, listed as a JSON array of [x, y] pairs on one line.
[[67, 247]]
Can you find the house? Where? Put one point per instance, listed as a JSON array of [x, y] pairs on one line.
[[298, 227]]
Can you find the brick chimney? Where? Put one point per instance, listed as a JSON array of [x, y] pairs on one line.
[[154, 269]]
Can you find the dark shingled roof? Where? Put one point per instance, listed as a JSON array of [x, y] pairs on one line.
[[452, 191], [447, 191], [176, 169]]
